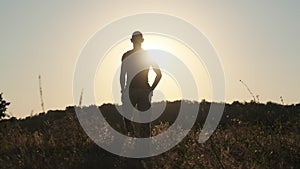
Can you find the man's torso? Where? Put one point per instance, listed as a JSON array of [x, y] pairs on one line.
[[137, 65]]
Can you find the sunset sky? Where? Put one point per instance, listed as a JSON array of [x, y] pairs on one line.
[[257, 42]]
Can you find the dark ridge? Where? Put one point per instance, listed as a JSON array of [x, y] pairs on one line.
[[249, 135]]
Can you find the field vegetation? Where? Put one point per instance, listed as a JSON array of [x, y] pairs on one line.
[[250, 135]]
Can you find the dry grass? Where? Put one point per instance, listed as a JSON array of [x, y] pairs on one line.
[[249, 136]]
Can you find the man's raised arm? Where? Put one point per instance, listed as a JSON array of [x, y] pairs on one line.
[[157, 77]]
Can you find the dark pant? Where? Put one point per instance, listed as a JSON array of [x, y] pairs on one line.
[[140, 98]]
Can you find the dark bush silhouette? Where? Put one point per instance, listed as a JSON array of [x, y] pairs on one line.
[[3, 107], [250, 135]]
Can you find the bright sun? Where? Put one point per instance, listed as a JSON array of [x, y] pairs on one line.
[[107, 86]]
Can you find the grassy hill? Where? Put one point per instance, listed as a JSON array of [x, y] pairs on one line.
[[250, 135]]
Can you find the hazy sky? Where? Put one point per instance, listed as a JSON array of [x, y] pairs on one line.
[[257, 42]]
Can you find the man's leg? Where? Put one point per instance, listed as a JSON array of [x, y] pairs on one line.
[[143, 105], [128, 127], [127, 108]]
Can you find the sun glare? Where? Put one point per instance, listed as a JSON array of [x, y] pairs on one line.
[[107, 86]]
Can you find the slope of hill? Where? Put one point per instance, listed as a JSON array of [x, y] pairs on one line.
[[250, 135]]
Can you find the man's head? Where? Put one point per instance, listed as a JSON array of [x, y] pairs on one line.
[[137, 38]]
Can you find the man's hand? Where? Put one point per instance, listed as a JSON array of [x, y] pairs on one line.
[[152, 88], [123, 90], [123, 93], [157, 78]]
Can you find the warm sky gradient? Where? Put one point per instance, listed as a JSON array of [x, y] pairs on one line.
[[257, 42]]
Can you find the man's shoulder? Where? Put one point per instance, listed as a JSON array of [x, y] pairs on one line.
[[126, 54]]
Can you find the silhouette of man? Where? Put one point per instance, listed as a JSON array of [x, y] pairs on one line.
[[134, 80]]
